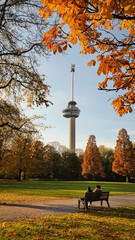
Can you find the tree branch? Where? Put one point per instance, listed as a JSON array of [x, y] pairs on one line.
[[1, 87], [124, 17], [19, 53], [3, 12], [17, 128]]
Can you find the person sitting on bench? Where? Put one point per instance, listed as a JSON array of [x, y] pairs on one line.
[[98, 189], [88, 190]]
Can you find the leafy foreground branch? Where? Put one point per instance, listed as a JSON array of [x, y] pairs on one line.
[[105, 28], [96, 224]]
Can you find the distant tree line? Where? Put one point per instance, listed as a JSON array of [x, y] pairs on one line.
[[22, 158]]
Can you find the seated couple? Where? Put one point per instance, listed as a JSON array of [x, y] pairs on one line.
[[97, 189]]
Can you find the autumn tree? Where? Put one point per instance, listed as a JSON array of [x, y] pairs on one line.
[[21, 33], [36, 156], [15, 162], [92, 164], [124, 160], [4, 135], [23, 158], [12, 119], [14, 124], [104, 28], [133, 145]]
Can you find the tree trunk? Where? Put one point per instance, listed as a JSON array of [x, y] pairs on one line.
[[127, 178], [93, 178], [19, 176]]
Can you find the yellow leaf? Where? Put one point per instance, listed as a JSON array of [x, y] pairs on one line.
[[74, 40], [129, 9]]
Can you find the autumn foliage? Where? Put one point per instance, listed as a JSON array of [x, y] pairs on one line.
[[92, 164], [104, 28], [124, 159]]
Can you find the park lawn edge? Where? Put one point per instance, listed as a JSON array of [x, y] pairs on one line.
[[48, 190], [98, 224]]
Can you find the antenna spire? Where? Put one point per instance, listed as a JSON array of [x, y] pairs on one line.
[[72, 81]]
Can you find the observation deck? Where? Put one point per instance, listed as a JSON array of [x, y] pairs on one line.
[[71, 110]]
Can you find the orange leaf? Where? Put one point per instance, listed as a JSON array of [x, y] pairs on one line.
[[65, 48], [89, 63], [59, 49], [55, 49]]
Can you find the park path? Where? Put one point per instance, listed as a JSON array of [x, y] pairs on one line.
[[19, 211]]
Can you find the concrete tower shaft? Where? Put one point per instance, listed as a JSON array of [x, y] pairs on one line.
[[71, 112]]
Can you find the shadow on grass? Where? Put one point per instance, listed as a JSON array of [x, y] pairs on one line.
[[121, 212], [54, 208]]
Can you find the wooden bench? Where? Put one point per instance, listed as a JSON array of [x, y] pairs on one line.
[[94, 197]]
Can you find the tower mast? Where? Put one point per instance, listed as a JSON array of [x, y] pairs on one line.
[[71, 112]]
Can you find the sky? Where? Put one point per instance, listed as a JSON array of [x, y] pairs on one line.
[[97, 116]]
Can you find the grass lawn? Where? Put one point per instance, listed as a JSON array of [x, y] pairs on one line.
[[97, 224], [11, 191]]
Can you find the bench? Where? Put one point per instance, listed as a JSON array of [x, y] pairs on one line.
[[94, 197]]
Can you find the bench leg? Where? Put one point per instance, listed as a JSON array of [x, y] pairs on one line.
[[101, 203], [86, 206], [79, 204], [108, 203]]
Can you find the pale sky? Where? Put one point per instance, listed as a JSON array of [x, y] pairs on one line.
[[97, 116]]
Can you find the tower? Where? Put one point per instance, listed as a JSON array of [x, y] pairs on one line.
[[71, 112]]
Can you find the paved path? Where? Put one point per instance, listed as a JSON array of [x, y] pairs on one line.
[[12, 212]]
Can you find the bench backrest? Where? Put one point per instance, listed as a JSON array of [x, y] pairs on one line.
[[96, 196], [104, 195], [88, 196]]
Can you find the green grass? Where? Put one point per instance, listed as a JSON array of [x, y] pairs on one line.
[[97, 224], [12, 191]]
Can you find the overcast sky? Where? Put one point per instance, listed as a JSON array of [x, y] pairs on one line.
[[97, 115]]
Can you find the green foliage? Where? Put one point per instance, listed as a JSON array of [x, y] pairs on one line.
[[71, 166], [107, 155], [11, 191], [95, 225]]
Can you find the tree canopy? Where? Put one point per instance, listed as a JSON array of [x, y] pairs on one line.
[[124, 158], [21, 33], [104, 28], [11, 117], [107, 155], [92, 164]]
